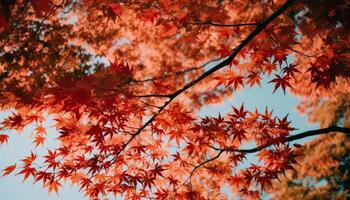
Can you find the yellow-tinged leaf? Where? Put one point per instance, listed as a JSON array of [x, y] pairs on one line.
[[53, 185]]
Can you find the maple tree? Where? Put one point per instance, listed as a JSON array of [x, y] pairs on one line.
[[123, 81]]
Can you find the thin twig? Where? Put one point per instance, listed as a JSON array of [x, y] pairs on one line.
[[152, 95], [210, 23], [303, 54], [199, 166]]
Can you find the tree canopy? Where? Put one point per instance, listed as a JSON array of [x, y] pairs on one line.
[[123, 82]]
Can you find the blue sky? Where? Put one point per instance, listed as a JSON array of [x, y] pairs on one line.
[[20, 145]]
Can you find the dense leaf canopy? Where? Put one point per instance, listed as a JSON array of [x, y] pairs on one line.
[[123, 81]]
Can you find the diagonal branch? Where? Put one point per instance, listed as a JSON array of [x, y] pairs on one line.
[[218, 66]]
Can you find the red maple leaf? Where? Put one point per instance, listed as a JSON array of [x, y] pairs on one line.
[[3, 138], [282, 82], [8, 170]]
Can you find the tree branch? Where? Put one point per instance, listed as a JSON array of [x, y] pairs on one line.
[[305, 134], [236, 50], [300, 136], [168, 75], [152, 95], [210, 23], [199, 166], [303, 54]]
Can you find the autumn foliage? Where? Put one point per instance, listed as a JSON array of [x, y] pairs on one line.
[[122, 83]]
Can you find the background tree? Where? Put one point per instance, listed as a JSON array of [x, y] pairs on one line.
[[123, 81], [323, 172]]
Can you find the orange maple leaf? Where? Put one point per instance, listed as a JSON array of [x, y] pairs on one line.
[[8, 170]]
